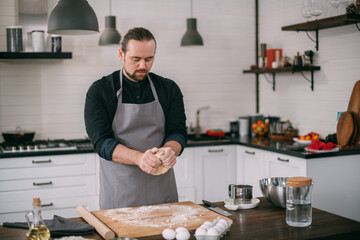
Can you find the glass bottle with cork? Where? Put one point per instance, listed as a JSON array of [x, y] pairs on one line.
[[37, 227]]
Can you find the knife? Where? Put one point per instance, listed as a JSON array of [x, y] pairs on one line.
[[214, 208]]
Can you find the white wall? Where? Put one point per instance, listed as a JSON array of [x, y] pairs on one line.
[[47, 96], [338, 56]]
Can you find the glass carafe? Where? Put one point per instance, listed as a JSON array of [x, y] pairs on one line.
[[37, 227]]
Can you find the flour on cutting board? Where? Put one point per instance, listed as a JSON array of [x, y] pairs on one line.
[[164, 215]]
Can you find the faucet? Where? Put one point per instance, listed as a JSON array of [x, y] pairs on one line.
[[197, 126]]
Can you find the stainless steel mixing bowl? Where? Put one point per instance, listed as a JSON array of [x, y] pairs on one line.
[[274, 190]]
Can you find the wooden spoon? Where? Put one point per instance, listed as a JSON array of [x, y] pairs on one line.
[[345, 129]]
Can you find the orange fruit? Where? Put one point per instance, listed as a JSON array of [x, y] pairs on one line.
[[308, 137], [254, 125], [259, 122]]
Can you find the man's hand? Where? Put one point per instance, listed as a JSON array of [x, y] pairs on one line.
[[148, 162], [167, 157]]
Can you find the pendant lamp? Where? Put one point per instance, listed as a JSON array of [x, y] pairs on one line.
[[110, 35], [73, 17], [191, 36]]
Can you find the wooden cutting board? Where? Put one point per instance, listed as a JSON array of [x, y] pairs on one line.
[[152, 220]]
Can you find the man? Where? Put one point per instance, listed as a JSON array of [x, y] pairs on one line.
[[136, 121]]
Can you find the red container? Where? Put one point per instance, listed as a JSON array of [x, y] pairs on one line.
[[271, 55]]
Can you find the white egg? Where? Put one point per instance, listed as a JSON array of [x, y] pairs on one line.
[[219, 229], [206, 227], [200, 231], [222, 225], [182, 235], [181, 229], [212, 232], [208, 223], [224, 222], [168, 234]]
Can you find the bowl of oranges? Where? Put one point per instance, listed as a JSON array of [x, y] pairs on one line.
[[260, 128], [306, 139]]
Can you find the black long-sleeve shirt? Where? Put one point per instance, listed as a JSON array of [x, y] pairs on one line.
[[101, 103]]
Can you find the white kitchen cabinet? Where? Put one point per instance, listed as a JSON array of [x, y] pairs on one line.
[[281, 165], [61, 181], [184, 175], [214, 169], [250, 168]]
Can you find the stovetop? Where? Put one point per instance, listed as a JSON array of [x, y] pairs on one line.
[[46, 146]]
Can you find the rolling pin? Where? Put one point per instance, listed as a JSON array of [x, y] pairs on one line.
[[100, 227]]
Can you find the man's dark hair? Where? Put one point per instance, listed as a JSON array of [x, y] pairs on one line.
[[138, 34]]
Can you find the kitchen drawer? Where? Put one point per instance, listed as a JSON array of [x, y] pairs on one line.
[[25, 190], [64, 207], [280, 165], [47, 166]]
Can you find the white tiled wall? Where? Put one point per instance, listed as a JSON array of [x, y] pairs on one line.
[[338, 56], [47, 96]]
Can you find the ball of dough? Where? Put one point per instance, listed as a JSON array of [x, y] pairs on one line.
[[160, 170], [182, 235], [168, 234]]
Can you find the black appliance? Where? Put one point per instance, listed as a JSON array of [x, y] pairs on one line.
[[46, 145]]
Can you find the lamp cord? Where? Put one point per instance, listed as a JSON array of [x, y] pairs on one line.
[[191, 9], [110, 7]]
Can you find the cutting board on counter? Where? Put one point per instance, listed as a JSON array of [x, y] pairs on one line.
[[152, 220], [348, 127]]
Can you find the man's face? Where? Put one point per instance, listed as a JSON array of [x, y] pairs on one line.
[[138, 59]]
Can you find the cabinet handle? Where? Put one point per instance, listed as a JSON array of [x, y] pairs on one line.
[[252, 153], [283, 160], [47, 205], [43, 161], [215, 150], [43, 183]]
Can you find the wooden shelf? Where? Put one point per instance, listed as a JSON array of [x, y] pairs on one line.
[[324, 23], [35, 55], [285, 69], [292, 69]]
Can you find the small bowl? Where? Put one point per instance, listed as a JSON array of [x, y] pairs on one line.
[[274, 190]]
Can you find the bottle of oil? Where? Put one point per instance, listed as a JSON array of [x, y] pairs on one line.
[[37, 227]]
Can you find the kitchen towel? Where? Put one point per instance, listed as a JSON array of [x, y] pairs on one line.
[[58, 227]]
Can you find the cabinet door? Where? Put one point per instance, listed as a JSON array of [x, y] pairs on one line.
[[214, 169], [250, 168], [280, 165], [184, 175]]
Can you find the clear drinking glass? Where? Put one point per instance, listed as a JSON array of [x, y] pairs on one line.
[[335, 4], [306, 11], [316, 8]]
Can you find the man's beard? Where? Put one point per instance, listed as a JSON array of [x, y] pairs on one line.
[[134, 77]]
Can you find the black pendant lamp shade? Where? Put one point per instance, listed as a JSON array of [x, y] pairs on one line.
[[110, 35], [192, 36], [73, 17]]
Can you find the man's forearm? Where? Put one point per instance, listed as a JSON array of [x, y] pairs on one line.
[[125, 155], [175, 146]]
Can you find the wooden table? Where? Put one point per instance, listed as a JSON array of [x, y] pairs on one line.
[[263, 222]]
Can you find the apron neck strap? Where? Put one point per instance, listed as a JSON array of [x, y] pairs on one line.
[[118, 93]]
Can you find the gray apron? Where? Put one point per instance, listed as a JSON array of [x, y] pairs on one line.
[[139, 127]]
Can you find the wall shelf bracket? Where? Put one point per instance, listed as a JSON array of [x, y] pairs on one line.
[[311, 81], [316, 41], [271, 82]]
